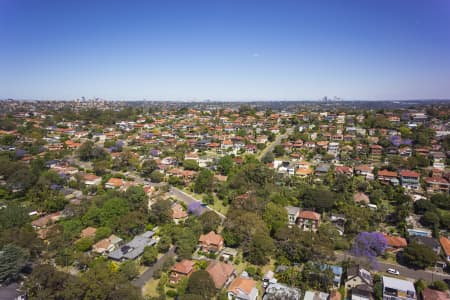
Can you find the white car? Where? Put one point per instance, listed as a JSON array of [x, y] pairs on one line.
[[393, 271]]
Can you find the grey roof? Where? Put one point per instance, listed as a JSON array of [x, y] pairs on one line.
[[292, 210], [427, 241], [134, 248], [322, 168], [280, 290], [398, 284]]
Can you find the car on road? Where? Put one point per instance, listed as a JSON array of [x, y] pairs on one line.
[[393, 271]]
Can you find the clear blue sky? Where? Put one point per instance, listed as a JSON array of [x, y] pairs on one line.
[[225, 50]]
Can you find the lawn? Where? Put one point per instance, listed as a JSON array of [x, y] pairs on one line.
[[149, 288]]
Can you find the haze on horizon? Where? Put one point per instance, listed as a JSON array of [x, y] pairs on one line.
[[228, 50]]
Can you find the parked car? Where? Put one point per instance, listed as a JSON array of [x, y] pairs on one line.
[[393, 271]]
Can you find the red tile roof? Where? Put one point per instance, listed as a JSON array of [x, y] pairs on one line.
[[307, 214], [396, 241], [407, 173], [445, 243], [184, 267]]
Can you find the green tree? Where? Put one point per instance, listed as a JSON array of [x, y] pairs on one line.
[[210, 221], [259, 250], [225, 164], [161, 212], [419, 256], [275, 216], [156, 176], [200, 283], [45, 282], [190, 164], [102, 232], [149, 256], [204, 181], [83, 244], [12, 260], [137, 198], [13, 216], [164, 244], [278, 150], [129, 269], [148, 167]]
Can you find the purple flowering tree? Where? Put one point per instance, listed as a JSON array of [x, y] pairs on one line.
[[195, 208], [369, 245]]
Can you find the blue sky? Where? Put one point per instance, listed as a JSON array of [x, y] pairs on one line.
[[225, 50]]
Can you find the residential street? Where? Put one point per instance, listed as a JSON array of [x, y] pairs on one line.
[[404, 271], [186, 198], [277, 141], [148, 274]]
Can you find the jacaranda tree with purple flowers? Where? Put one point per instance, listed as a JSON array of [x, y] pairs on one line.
[[369, 245], [195, 208]]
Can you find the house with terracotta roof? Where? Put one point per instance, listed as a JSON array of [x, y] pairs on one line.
[[181, 270], [361, 198], [395, 243], [114, 183], [242, 289], [88, 232], [388, 177], [308, 220], [437, 184], [211, 242], [430, 294], [178, 213], [221, 273], [106, 245], [91, 179], [46, 220], [445, 243]]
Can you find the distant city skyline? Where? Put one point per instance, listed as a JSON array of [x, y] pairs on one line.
[[225, 51]]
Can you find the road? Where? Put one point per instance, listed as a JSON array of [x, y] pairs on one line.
[[428, 276], [148, 274], [277, 141], [186, 198]]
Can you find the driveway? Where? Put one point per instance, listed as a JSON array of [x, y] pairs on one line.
[[148, 274]]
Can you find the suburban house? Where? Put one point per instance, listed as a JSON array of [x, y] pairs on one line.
[[409, 179], [91, 179], [221, 273], [178, 213], [134, 248], [293, 213], [388, 177], [242, 289], [180, 270], [395, 243], [445, 243], [357, 276], [88, 232], [398, 289], [437, 184], [309, 220], [211, 242], [114, 183], [281, 291], [46, 220], [430, 242], [359, 283], [430, 294], [107, 245]]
